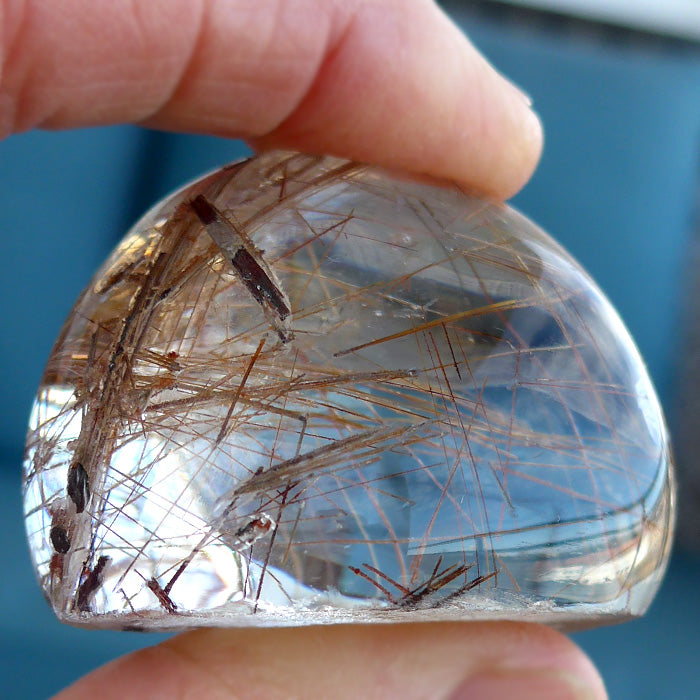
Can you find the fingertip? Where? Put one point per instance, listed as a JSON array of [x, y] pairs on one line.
[[502, 138], [405, 89], [526, 140]]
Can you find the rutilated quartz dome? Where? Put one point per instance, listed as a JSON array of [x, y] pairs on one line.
[[304, 391]]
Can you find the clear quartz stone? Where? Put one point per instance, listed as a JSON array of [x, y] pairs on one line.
[[304, 391]]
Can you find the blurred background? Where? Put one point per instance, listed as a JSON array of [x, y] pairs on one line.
[[617, 84]]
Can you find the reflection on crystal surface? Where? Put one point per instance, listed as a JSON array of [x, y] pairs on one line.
[[301, 391]]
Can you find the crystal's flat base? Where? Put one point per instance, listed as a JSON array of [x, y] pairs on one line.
[[571, 619], [478, 608]]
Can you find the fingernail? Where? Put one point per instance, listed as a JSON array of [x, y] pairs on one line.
[[524, 685], [522, 95]]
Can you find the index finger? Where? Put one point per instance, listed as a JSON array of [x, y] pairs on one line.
[[392, 82]]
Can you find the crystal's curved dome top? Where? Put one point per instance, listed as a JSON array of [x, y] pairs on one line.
[[302, 390]]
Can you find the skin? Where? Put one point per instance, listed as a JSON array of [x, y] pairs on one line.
[[391, 82]]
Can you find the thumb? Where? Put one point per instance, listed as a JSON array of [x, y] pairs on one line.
[[426, 661]]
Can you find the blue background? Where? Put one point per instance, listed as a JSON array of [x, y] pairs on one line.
[[617, 186]]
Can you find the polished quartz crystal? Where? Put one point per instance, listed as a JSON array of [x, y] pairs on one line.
[[302, 391]]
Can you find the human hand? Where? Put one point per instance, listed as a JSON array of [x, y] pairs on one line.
[[387, 82], [390, 82]]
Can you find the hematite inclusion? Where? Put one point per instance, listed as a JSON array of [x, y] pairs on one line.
[[304, 391]]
